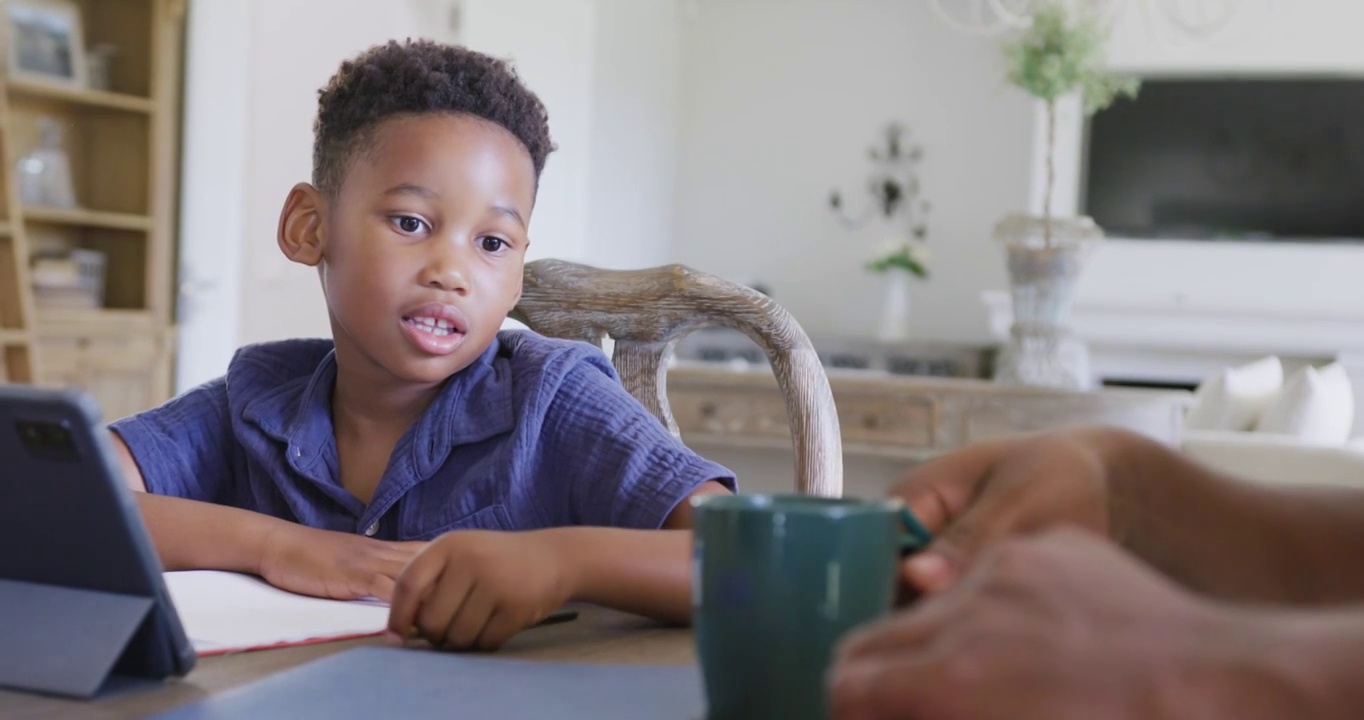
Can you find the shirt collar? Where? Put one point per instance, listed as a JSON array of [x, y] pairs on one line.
[[473, 405]]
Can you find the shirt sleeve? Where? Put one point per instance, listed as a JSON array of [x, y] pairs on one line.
[[615, 464], [182, 446]]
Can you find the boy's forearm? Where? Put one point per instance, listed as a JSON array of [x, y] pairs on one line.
[[645, 572], [1231, 538], [192, 535]]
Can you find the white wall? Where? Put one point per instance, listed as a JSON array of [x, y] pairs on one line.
[[634, 133], [287, 67], [551, 44], [780, 102], [213, 191], [1265, 36]]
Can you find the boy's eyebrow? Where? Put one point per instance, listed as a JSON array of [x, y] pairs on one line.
[[410, 189], [510, 212]]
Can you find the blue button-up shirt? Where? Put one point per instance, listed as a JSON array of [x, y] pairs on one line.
[[537, 432]]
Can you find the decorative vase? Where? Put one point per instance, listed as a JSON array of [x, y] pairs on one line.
[[895, 310], [1042, 350]]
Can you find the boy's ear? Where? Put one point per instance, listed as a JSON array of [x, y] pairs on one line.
[[300, 225]]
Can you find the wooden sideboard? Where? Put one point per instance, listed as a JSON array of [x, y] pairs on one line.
[[905, 417]]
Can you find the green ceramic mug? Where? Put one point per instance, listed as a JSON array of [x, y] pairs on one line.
[[778, 579]]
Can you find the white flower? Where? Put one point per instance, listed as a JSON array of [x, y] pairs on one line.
[[887, 248], [919, 252]]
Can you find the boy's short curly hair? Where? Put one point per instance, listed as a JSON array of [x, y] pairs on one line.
[[418, 77]]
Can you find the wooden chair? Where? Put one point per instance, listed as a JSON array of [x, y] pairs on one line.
[[647, 311]]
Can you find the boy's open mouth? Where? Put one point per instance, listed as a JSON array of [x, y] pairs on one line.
[[435, 326]]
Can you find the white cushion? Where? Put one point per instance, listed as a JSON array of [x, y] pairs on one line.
[[1276, 459], [1316, 405], [1235, 398]]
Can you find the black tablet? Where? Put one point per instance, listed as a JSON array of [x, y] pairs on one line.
[[80, 580]]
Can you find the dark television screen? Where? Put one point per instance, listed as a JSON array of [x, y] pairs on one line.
[[1275, 159]]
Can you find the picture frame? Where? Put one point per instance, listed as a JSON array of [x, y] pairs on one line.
[[46, 42]]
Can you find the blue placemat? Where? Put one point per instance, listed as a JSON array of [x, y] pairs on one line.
[[376, 682]]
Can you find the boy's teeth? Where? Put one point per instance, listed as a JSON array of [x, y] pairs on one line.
[[434, 326]]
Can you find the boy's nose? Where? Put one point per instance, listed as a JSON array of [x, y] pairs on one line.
[[443, 273]]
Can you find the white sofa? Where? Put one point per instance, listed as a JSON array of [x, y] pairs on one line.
[[1253, 422], [1277, 459]]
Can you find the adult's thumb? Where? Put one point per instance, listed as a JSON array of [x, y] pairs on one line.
[[956, 546]]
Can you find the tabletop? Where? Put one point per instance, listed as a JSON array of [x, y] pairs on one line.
[[598, 635]]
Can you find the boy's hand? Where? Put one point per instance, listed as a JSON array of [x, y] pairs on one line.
[[476, 589], [332, 564]]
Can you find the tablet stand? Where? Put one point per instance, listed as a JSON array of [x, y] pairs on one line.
[[61, 640]]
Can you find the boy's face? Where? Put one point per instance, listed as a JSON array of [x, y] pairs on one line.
[[421, 251]]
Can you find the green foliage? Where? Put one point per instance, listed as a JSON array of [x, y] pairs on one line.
[[1059, 54], [900, 259]]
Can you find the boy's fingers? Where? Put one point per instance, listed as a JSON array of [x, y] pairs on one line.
[[444, 600], [466, 623], [499, 629], [410, 591]]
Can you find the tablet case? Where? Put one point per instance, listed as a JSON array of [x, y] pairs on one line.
[[378, 682], [64, 641], [81, 592]]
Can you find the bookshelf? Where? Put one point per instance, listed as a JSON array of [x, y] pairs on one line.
[[114, 335]]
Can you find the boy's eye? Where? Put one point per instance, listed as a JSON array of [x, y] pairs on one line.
[[409, 224], [492, 244]]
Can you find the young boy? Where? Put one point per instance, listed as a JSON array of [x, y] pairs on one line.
[[393, 460]]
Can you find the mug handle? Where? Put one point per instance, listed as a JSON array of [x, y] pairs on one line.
[[916, 536]]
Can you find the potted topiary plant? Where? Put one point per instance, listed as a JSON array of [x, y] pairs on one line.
[[1059, 53]]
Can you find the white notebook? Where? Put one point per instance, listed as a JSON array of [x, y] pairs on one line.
[[229, 612]]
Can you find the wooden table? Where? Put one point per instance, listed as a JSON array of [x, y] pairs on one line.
[[598, 635]]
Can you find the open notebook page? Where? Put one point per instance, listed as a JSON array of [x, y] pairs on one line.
[[228, 612]]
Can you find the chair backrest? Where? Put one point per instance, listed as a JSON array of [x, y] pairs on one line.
[[645, 312]]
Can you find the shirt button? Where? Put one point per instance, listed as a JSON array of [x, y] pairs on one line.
[[372, 530]]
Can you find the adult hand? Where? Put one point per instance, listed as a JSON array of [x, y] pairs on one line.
[[984, 493], [1065, 625]]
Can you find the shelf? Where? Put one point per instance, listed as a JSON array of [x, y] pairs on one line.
[[13, 338], [62, 321], [88, 218], [82, 96]]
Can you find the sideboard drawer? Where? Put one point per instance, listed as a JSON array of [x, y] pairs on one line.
[[731, 412], [893, 420], [901, 421]]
